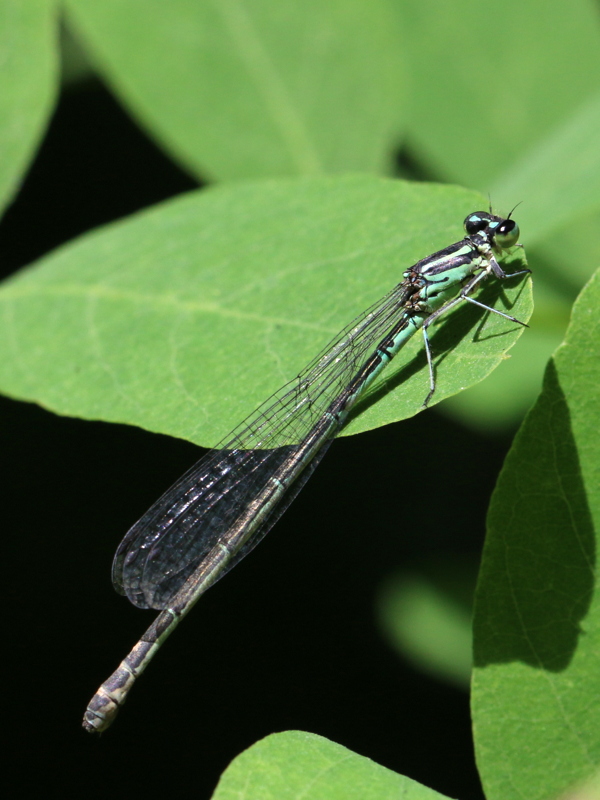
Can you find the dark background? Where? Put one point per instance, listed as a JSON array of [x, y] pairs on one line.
[[286, 641]]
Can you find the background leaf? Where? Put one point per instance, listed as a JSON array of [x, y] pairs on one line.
[[536, 691], [560, 177], [183, 319], [252, 88], [295, 764], [28, 78], [490, 83], [426, 615]]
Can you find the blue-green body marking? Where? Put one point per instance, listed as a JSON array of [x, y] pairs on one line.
[[219, 510]]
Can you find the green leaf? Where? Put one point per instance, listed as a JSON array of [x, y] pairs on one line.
[[558, 180], [185, 317], [295, 764], [28, 81], [586, 790], [492, 80], [536, 693], [571, 254], [500, 402], [252, 88], [426, 616]]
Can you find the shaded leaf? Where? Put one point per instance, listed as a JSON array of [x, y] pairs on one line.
[[536, 693], [252, 88]]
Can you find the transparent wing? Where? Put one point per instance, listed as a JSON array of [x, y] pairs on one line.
[[168, 543]]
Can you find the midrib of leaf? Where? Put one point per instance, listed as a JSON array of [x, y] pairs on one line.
[[162, 301], [277, 99]]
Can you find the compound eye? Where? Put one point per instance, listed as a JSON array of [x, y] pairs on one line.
[[507, 234], [475, 223]]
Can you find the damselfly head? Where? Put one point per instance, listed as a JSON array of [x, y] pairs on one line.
[[507, 234], [502, 232], [478, 221]]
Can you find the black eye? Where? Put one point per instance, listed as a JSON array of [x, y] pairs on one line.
[[507, 234], [475, 223]]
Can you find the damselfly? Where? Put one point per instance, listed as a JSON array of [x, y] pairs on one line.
[[219, 510]]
